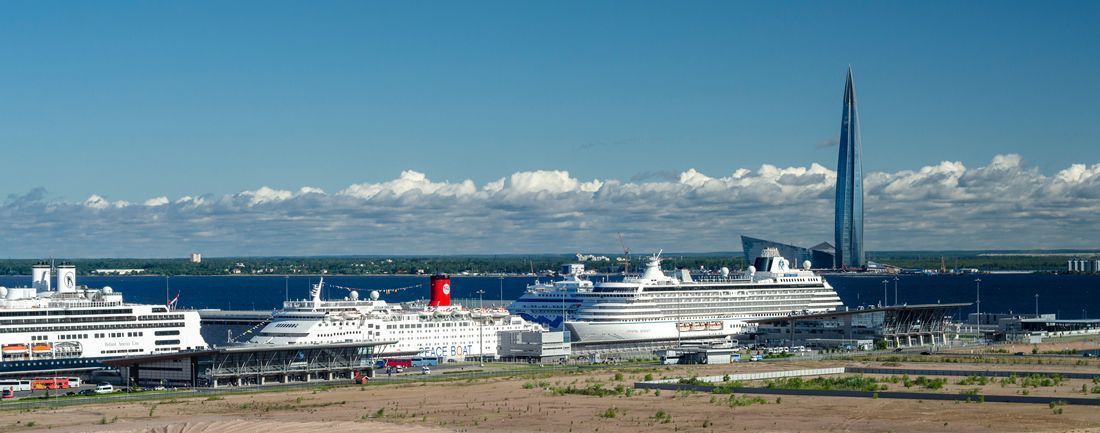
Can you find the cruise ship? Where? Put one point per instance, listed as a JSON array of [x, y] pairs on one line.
[[75, 327], [437, 329], [655, 306], [550, 303]]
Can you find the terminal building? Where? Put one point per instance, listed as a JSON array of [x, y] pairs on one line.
[[249, 365], [896, 326]]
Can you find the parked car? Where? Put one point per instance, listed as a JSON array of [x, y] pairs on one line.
[[425, 370], [7, 393], [104, 388], [87, 392]]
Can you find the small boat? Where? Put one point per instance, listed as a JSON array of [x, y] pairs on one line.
[[500, 313], [714, 326], [443, 313], [42, 347], [683, 327], [698, 326], [14, 348]]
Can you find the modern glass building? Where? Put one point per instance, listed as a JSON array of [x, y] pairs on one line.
[[849, 186]]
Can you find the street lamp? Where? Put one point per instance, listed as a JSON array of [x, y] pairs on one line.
[[895, 290], [885, 301], [480, 327], [978, 302]]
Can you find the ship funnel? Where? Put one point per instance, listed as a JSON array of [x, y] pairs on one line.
[[66, 278], [40, 277], [441, 291]]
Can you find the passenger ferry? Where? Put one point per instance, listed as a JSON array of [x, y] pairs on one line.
[[551, 303], [437, 329], [655, 306], [75, 327]]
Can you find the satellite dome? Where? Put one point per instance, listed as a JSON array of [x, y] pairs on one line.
[[725, 271], [807, 265], [354, 295], [752, 269], [374, 295], [108, 290], [3, 292]]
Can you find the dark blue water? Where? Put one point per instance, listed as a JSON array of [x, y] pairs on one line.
[[1070, 296]]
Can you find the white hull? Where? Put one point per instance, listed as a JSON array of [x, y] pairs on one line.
[[595, 332]]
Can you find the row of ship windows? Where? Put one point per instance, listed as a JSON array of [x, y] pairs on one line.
[[52, 363], [92, 327], [102, 335], [122, 351], [98, 319], [66, 312]]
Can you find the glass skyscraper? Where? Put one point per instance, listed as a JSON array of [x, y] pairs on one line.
[[849, 185]]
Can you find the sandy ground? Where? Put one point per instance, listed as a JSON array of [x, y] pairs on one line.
[[507, 405]]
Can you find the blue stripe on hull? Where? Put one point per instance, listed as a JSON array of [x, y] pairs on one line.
[[51, 364]]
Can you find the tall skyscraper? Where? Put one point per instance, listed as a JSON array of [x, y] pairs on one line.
[[849, 185]]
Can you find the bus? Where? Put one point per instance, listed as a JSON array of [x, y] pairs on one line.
[[15, 384], [75, 382], [50, 383]]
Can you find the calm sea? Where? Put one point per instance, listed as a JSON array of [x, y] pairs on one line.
[[1070, 296]]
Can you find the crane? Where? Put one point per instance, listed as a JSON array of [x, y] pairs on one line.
[[626, 252]]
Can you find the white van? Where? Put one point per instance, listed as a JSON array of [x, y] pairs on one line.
[[75, 382], [105, 388]]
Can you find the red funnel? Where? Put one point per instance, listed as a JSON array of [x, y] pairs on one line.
[[441, 291]]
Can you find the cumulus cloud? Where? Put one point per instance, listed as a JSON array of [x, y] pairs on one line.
[[1003, 204]]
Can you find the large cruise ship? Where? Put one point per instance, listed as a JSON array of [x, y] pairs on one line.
[[551, 303], [437, 329], [75, 327], [655, 306]]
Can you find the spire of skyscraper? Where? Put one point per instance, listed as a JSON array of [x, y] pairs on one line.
[[849, 185]]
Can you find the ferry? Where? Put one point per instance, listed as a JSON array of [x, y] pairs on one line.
[[656, 306], [75, 327], [437, 329]]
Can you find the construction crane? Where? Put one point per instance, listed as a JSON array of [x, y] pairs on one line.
[[626, 252]]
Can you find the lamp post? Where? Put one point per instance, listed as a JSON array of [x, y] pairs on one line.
[[895, 290], [480, 332], [978, 302], [885, 301]]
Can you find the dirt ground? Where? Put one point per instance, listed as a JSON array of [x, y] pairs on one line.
[[527, 403]]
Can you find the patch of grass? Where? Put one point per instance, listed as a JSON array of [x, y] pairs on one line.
[[851, 383], [215, 398], [611, 412], [974, 380], [662, 417]]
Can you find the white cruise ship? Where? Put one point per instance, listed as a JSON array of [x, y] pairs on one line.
[[550, 304], [74, 327], [437, 329], [656, 306]]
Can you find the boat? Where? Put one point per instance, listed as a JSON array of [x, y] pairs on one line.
[[655, 306], [551, 303], [437, 329], [76, 327]]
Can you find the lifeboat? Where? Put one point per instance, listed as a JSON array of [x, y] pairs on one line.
[[479, 314], [14, 348], [500, 313], [698, 326], [462, 312], [714, 326], [425, 313], [443, 313], [683, 327], [41, 347]]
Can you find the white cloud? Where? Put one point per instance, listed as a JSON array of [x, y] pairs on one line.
[[1004, 204], [157, 201]]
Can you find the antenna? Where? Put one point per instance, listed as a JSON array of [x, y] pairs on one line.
[[626, 252]]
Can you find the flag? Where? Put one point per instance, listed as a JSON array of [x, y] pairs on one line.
[[172, 304]]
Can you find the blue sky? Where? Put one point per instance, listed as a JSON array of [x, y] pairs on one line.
[[136, 101]]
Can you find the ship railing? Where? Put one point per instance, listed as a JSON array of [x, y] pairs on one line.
[[311, 304], [82, 304]]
